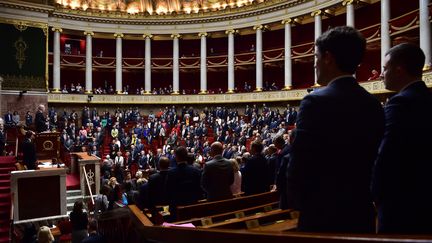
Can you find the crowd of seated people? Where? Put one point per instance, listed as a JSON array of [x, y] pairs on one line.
[[109, 89], [143, 147]]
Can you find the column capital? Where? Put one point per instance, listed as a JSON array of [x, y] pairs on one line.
[[91, 33], [231, 31], [258, 27], [287, 21], [347, 2], [58, 29], [118, 35], [176, 36], [201, 34], [145, 36], [316, 13]]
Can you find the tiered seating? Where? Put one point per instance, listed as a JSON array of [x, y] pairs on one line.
[[7, 164]]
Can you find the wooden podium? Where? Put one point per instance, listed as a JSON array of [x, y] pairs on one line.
[[47, 145], [92, 167], [39, 193]]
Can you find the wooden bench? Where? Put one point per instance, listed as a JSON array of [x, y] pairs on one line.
[[258, 220], [224, 206], [229, 215], [144, 233]]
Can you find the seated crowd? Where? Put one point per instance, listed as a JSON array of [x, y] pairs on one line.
[[109, 89]]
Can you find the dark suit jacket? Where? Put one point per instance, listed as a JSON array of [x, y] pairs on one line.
[[217, 177], [255, 177], [402, 179], [183, 186], [40, 122], [339, 129], [29, 154], [157, 189]]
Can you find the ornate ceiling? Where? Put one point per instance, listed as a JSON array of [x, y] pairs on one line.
[[156, 7]]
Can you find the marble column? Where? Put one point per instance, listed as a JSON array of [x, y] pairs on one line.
[[318, 32], [89, 66], [119, 60], [385, 29], [203, 63], [176, 67], [425, 32], [350, 16], [147, 63], [230, 34], [288, 62], [56, 60], [259, 58]]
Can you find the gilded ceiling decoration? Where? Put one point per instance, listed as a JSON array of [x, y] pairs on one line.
[[156, 7]]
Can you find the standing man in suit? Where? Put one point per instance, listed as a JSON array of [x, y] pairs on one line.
[[183, 182], [218, 175], [40, 119], [339, 129], [255, 177], [29, 151], [402, 178]]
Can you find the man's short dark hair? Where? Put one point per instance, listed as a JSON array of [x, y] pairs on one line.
[[164, 163], [409, 56], [346, 44], [181, 154], [256, 147]]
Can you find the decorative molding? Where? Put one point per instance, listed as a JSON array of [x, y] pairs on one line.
[[231, 31], [118, 35], [145, 36], [194, 18], [287, 21], [201, 34], [57, 29], [258, 27], [89, 33], [176, 36], [316, 13], [269, 11], [348, 2], [373, 87]]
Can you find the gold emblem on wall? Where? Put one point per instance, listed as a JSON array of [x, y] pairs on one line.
[[48, 145], [20, 46]]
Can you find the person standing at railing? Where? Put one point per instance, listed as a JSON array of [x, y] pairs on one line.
[[402, 179], [29, 151], [79, 220], [339, 129]]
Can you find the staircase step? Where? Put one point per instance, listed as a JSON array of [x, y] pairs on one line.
[[5, 183], [5, 189], [5, 195], [5, 204], [6, 169], [4, 239], [71, 193]]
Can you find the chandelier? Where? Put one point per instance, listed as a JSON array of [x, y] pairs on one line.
[[155, 7]]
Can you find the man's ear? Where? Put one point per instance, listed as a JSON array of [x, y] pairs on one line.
[[328, 58]]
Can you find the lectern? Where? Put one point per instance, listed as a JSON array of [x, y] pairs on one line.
[[39, 193]]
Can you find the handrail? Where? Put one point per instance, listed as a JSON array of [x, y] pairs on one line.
[[88, 185], [11, 217], [12, 207]]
